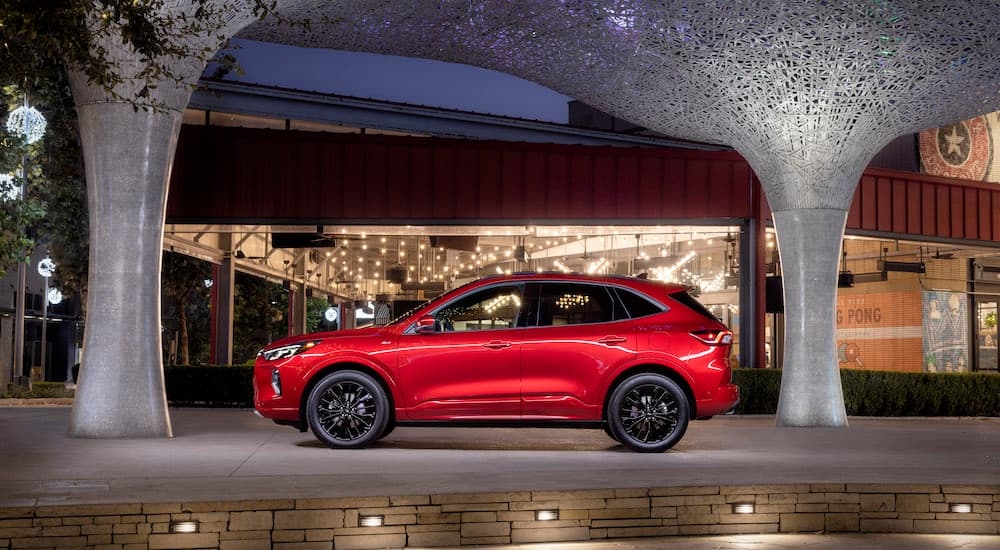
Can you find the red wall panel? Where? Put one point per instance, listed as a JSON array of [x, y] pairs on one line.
[[415, 187], [239, 175], [650, 180], [898, 200], [582, 185], [489, 185], [902, 203], [625, 201], [440, 194], [883, 204], [995, 220], [971, 213], [869, 202], [985, 215], [914, 221], [605, 187]]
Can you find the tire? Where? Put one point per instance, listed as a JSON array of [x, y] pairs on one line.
[[390, 426], [607, 430], [347, 410], [648, 413]]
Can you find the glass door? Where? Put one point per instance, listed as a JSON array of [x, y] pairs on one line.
[[986, 333]]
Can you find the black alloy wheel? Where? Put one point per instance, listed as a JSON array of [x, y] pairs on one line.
[[348, 410], [648, 413]]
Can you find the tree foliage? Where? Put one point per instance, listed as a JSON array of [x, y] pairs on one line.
[[39, 39], [35, 35], [186, 308], [259, 310], [20, 172], [53, 210]]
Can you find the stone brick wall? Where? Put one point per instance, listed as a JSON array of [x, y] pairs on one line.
[[507, 518]]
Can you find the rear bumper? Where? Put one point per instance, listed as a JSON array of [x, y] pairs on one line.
[[723, 400]]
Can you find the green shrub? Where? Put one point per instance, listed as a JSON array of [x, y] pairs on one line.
[[866, 393], [759, 389], [209, 386], [50, 389], [883, 393]]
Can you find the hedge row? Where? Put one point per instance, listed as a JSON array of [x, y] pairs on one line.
[[882, 393], [866, 393]]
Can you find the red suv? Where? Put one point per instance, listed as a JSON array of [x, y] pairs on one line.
[[637, 357]]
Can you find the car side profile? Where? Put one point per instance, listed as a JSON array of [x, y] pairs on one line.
[[636, 357]]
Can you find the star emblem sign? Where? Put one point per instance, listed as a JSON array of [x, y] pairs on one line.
[[953, 143]]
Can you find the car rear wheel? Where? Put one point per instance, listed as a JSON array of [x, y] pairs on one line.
[[648, 413], [348, 409]]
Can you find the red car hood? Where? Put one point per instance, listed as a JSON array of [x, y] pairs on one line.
[[329, 335]]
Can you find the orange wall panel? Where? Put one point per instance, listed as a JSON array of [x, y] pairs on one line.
[[880, 331]]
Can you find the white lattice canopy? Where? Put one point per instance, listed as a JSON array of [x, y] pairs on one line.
[[803, 89]]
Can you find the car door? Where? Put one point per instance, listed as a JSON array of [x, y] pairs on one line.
[[575, 343], [470, 367]]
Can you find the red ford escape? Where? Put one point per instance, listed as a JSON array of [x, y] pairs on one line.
[[639, 358]]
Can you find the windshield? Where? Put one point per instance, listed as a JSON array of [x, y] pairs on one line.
[[412, 310], [403, 317]]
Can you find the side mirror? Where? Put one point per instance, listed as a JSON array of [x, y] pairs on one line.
[[426, 324]]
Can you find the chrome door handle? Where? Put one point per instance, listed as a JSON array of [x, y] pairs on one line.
[[497, 345]]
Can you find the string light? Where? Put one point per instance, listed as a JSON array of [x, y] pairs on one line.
[[26, 123], [8, 191]]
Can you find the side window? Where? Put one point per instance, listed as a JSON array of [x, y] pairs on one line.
[[574, 304], [491, 308], [635, 305]]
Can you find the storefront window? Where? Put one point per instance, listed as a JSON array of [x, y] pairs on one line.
[[390, 269], [906, 306]]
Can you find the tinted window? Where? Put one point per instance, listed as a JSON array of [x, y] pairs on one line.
[[573, 304], [635, 305], [693, 304], [490, 308]]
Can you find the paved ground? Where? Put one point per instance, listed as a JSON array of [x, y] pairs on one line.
[[230, 453], [225, 454]]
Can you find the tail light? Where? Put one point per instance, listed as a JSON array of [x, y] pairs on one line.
[[719, 337]]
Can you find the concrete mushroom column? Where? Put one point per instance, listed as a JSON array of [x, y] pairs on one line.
[[809, 203], [809, 242], [128, 153]]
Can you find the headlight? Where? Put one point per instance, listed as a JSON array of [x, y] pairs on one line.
[[285, 352]]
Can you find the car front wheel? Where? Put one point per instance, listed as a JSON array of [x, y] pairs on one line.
[[347, 410], [648, 413]]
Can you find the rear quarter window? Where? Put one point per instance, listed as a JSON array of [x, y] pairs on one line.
[[636, 305], [693, 304]]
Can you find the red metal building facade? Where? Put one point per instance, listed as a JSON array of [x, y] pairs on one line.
[[251, 176]]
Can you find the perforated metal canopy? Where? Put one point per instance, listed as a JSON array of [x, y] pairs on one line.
[[803, 89]]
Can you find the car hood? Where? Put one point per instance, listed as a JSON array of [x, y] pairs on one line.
[[327, 336]]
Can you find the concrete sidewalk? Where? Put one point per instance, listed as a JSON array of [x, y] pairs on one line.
[[232, 453], [243, 476]]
